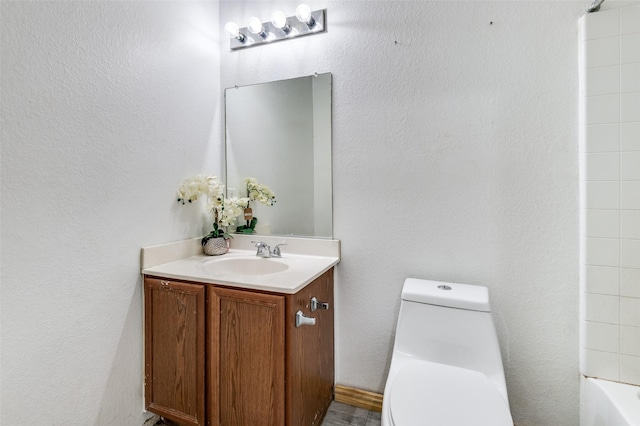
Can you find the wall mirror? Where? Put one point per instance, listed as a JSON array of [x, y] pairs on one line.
[[280, 133]]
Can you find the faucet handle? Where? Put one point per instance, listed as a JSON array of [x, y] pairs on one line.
[[276, 250]]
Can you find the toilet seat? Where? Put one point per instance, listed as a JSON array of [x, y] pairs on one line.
[[427, 393]]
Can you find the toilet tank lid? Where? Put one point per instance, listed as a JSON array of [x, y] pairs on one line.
[[451, 295]]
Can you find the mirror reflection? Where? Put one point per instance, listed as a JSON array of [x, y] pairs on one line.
[[280, 134]]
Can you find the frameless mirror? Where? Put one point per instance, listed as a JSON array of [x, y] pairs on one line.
[[280, 133]]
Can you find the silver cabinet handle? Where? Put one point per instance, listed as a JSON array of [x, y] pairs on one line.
[[315, 304], [302, 320]]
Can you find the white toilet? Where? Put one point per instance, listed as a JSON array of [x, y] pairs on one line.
[[446, 368]]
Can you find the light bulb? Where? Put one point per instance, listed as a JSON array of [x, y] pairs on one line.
[[303, 13], [255, 26], [233, 31], [279, 19]]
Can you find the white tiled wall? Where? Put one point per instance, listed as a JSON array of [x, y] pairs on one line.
[[610, 182]]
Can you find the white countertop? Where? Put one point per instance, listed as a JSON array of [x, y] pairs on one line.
[[302, 269]]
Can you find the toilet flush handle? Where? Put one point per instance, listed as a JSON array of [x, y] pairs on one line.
[[315, 304]]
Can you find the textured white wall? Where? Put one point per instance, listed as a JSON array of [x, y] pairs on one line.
[[455, 154], [106, 107]]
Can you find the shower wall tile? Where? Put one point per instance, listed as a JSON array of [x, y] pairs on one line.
[[605, 365], [610, 191], [602, 223], [630, 195], [630, 311], [604, 52], [630, 340], [630, 136], [600, 336], [603, 80], [603, 109], [604, 24], [630, 224], [629, 109], [630, 253], [602, 195], [603, 252], [630, 20], [601, 308], [602, 280], [604, 137], [629, 282], [629, 369], [629, 49], [629, 78], [630, 166], [603, 166]]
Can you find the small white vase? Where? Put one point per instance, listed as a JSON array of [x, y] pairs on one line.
[[216, 246]]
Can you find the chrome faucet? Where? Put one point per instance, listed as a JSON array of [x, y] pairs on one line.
[[263, 249]]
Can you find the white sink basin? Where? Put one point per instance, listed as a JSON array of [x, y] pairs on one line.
[[244, 266]]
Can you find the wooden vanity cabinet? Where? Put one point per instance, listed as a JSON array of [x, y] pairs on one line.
[[175, 350], [310, 355], [246, 357], [259, 368]]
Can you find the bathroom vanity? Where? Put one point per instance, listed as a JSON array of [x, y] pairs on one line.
[[229, 349]]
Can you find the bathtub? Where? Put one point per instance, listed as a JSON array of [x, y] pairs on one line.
[[605, 403]]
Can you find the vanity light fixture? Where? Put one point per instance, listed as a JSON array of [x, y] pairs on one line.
[[303, 14], [279, 20], [281, 27], [232, 29], [256, 27]]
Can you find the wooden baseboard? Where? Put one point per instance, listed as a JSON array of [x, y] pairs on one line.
[[358, 398]]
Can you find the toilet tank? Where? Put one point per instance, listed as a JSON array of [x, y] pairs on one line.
[[450, 324]]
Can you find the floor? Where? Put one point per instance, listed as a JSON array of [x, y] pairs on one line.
[[338, 415], [346, 415]]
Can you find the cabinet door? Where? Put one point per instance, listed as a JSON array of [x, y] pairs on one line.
[[310, 354], [174, 350], [246, 343]]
